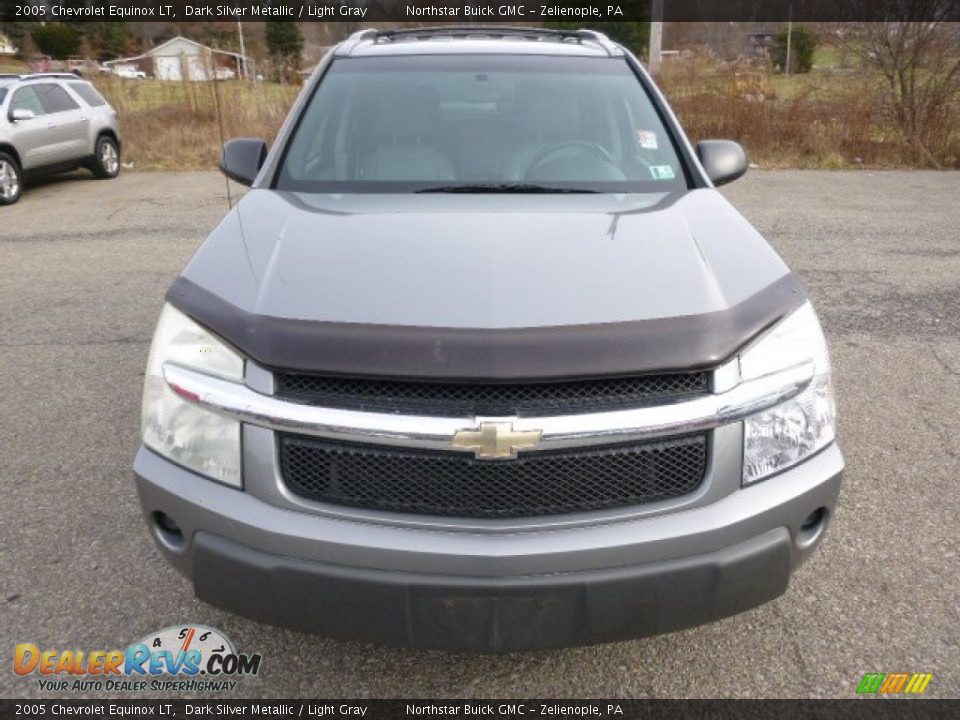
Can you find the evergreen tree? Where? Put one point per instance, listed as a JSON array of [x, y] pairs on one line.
[[803, 44], [58, 40], [284, 45], [110, 38]]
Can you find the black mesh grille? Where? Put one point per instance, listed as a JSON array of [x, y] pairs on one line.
[[437, 483], [469, 399]]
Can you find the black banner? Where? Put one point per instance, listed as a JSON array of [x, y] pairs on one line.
[[554, 709], [477, 11]]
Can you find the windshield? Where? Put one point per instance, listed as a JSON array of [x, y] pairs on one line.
[[480, 123]]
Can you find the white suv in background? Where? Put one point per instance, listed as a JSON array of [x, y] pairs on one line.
[[52, 123]]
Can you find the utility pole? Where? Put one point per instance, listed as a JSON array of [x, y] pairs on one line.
[[789, 36], [243, 52], [656, 36]]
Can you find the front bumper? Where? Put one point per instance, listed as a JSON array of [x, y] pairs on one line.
[[491, 614], [489, 589]]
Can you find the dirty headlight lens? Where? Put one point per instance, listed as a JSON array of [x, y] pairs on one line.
[[782, 436], [187, 434]]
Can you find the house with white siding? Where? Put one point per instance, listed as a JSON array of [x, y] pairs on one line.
[[183, 59], [6, 46]]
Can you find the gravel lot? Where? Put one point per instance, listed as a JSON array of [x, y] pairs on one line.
[[83, 269]]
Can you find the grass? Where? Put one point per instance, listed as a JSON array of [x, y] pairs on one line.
[[829, 118], [826, 57], [823, 119], [12, 65], [173, 125]]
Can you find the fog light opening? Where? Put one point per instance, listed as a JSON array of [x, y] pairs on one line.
[[167, 531], [812, 527]]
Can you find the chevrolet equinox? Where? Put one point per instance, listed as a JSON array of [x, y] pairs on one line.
[[483, 361]]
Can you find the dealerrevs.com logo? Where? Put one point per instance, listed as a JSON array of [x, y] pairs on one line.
[[183, 658]]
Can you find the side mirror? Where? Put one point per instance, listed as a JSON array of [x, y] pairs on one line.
[[22, 114], [242, 159], [724, 160]]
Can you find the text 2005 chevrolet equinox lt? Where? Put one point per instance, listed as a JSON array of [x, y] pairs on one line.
[[484, 361]]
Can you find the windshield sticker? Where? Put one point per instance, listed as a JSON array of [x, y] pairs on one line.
[[662, 172], [647, 139]]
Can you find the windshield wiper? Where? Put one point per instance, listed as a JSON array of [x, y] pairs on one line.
[[502, 188]]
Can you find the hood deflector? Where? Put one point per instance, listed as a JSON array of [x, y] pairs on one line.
[[687, 342]]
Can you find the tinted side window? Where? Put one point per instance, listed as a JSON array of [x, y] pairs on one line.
[[89, 94], [3, 94], [55, 99], [27, 99]]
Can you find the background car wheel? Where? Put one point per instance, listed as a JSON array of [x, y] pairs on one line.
[[11, 180], [106, 162]]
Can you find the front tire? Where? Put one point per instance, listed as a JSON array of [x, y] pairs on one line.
[[106, 160], [11, 180]]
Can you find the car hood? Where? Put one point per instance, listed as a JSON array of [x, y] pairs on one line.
[[429, 269]]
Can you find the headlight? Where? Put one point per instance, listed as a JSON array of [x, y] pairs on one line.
[[782, 436], [177, 429]]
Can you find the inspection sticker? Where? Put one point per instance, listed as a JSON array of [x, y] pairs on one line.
[[662, 172], [647, 139]]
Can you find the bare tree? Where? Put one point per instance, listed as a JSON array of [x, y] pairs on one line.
[[920, 62]]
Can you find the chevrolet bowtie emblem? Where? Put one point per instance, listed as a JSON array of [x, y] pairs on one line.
[[496, 440]]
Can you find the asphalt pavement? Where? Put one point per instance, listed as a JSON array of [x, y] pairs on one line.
[[84, 266]]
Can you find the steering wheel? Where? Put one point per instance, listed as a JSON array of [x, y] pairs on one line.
[[598, 151]]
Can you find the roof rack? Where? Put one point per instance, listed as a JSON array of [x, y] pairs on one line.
[[495, 31]]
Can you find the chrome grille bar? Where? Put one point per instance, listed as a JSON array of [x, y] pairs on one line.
[[436, 433]]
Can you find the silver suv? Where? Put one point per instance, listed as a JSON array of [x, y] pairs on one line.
[[51, 123], [484, 361]]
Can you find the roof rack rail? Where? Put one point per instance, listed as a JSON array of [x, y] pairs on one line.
[[463, 31], [602, 40], [347, 46], [473, 30], [64, 75]]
